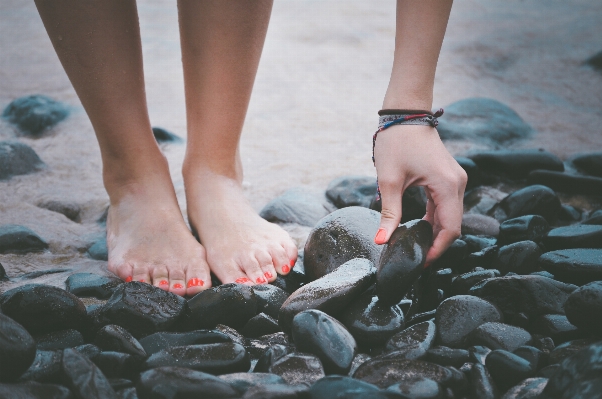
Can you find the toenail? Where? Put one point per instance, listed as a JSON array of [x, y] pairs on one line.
[[267, 275], [260, 280], [285, 269], [193, 282], [178, 286], [293, 263], [242, 280], [164, 282], [128, 279]]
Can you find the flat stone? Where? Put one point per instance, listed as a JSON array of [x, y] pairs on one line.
[[331, 293], [317, 333], [70, 210], [59, 340], [257, 347], [20, 240], [594, 218], [458, 316], [575, 236], [508, 369], [418, 387], [569, 214], [352, 191], [270, 356], [297, 205], [99, 250], [473, 223], [516, 164], [445, 356], [17, 349], [555, 326], [576, 266], [462, 283], [34, 390], [481, 384], [568, 349], [179, 382], [277, 391], [584, 307], [116, 338], [531, 200], [46, 367], [88, 350], [529, 388], [84, 378], [566, 183], [414, 341], [590, 163], [335, 386], [520, 257], [297, 368], [35, 114], [165, 136], [534, 356], [243, 381], [259, 325], [482, 120], [343, 235], [92, 285], [499, 336], [384, 373], [118, 364], [269, 298], [42, 308]]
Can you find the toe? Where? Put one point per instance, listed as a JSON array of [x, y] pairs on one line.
[[141, 273], [266, 263], [280, 260], [253, 270], [177, 281], [161, 278], [197, 279], [124, 271], [290, 249]]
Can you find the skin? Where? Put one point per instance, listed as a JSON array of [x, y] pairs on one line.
[[98, 44]]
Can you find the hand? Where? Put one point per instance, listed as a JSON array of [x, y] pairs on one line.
[[413, 155]]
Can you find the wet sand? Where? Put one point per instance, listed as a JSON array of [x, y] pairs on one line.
[[322, 77]]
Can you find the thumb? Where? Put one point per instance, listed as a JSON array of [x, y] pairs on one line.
[[390, 215]]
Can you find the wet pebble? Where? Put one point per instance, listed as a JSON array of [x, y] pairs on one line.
[[162, 340], [577, 266], [473, 223], [298, 368], [418, 387], [59, 340], [445, 356], [352, 191], [99, 250], [271, 355], [519, 257], [536, 358], [516, 164], [555, 326], [530, 388], [384, 373], [531, 200], [118, 364], [35, 114], [165, 136], [462, 283], [20, 240], [414, 341], [70, 210], [594, 218], [297, 205], [84, 378], [590, 163], [575, 236], [584, 308], [18, 159], [243, 381], [333, 386], [92, 285], [481, 385], [507, 369], [34, 390], [116, 338], [179, 382], [566, 183], [499, 336], [17, 349], [269, 298], [259, 325]]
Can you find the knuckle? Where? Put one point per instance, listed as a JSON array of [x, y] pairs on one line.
[[388, 214]]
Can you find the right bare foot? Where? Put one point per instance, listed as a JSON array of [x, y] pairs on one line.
[[149, 241]]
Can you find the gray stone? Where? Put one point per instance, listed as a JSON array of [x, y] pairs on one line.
[[99, 250], [269, 298], [575, 236], [516, 163], [566, 183], [499, 336], [531, 200], [481, 383], [519, 257], [297, 368], [384, 372], [92, 285], [584, 307], [590, 163], [179, 382], [165, 136], [473, 223], [17, 349], [352, 191], [297, 205], [35, 114], [557, 327], [70, 210], [19, 240], [507, 369], [18, 159], [529, 388], [414, 341], [576, 266]]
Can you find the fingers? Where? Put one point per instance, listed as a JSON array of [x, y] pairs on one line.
[[390, 215], [447, 218]]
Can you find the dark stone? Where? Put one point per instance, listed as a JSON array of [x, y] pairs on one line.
[[402, 260], [479, 353], [481, 383], [234, 335], [259, 325], [507, 369], [118, 364], [532, 295], [269, 298], [331, 293], [576, 266], [516, 164], [277, 391], [594, 218], [46, 367], [220, 358], [358, 360], [567, 183], [563, 351], [142, 309], [413, 342], [35, 114], [18, 159], [383, 372], [584, 308], [165, 136], [20, 240], [555, 326], [352, 191], [482, 199], [43, 308], [545, 344], [548, 371], [178, 382], [333, 386], [34, 390], [413, 204], [297, 205], [569, 214], [59, 340], [298, 368], [499, 336], [270, 356], [420, 318], [116, 338], [120, 384], [371, 322], [523, 228], [536, 358], [69, 209], [575, 236], [519, 257], [17, 349], [530, 388], [590, 163], [458, 316], [463, 282], [99, 250], [257, 347], [162, 340], [476, 243], [418, 387], [453, 257], [92, 285], [482, 120], [243, 381], [444, 356], [531, 200], [84, 378], [482, 259], [88, 350], [473, 223], [289, 283], [343, 235], [3, 276], [472, 171]]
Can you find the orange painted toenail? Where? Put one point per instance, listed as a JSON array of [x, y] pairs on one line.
[[381, 236], [267, 275], [293, 263], [242, 280], [426, 265], [194, 282], [142, 281], [260, 280], [285, 269], [178, 286], [163, 282], [128, 279]]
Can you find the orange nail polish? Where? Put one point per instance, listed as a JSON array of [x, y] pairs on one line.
[[178, 286], [194, 282], [163, 282], [142, 281], [381, 235], [293, 263], [285, 269], [260, 280], [242, 280], [128, 279], [267, 275], [426, 265]]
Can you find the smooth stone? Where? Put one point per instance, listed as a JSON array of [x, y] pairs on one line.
[[454, 255], [165, 136], [575, 236], [402, 260], [243, 381], [536, 358], [472, 171], [569, 214], [219, 358], [352, 191], [84, 378], [383, 372], [477, 243], [257, 347], [507, 369], [533, 295], [548, 371], [259, 325], [230, 304], [557, 327], [317, 333], [523, 228], [358, 360], [483, 259], [158, 341], [577, 266], [333, 386], [277, 391], [590, 163], [70, 210], [142, 309], [420, 318], [473, 223], [120, 384], [20, 240], [35, 114], [92, 285], [529, 388], [59, 340], [289, 283], [478, 353], [458, 316], [419, 387], [343, 235], [444, 356], [499, 336], [269, 298], [566, 183], [520, 257], [179, 382], [481, 200], [297, 205], [482, 120], [18, 159], [118, 339], [462, 283], [563, 351], [270, 356], [17, 349], [481, 385], [594, 218], [584, 307], [118, 364], [234, 335], [298, 368], [43, 308], [371, 322], [414, 341], [99, 250], [34, 390], [516, 164], [46, 367], [331, 293], [531, 200]]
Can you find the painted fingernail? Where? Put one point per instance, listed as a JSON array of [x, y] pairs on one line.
[[178, 286], [267, 275], [293, 263], [426, 265], [242, 280], [285, 269], [260, 280], [381, 235], [128, 279], [142, 280], [195, 282], [163, 282]]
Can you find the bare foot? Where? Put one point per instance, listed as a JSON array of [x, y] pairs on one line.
[[241, 246], [149, 241]]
